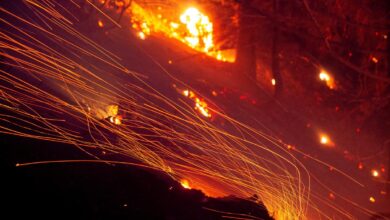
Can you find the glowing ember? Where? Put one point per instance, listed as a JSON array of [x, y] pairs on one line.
[[324, 139], [192, 27], [141, 35], [116, 120], [360, 166], [273, 82], [186, 93], [372, 199], [185, 184], [374, 173], [375, 60], [324, 76], [200, 105], [100, 23]]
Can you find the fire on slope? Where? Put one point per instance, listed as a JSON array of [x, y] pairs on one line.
[[192, 28]]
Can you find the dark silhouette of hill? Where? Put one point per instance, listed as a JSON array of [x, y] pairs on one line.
[[100, 191]]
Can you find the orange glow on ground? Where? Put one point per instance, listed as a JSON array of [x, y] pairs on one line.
[[185, 184], [200, 105], [325, 140], [191, 27]]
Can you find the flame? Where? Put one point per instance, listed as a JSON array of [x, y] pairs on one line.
[[375, 173], [100, 23], [141, 35], [116, 119], [200, 29], [185, 184], [200, 105], [326, 141], [192, 27], [324, 76]]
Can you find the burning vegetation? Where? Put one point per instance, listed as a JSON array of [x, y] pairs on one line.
[[192, 27]]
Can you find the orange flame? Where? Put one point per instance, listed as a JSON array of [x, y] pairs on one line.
[[199, 28], [192, 27], [185, 184], [200, 105], [328, 79]]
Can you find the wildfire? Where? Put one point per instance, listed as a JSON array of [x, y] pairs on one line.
[[185, 184], [141, 35], [200, 29], [200, 105], [192, 27], [324, 140]]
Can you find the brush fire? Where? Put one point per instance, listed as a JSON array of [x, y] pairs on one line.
[[192, 27]]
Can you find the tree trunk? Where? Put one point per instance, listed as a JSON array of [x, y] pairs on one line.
[[246, 45], [275, 59]]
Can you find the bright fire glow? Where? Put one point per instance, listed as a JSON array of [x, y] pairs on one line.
[[324, 76], [375, 173], [324, 139], [273, 82], [141, 35], [192, 27], [116, 119], [185, 184], [372, 199], [200, 29], [100, 23], [200, 105]]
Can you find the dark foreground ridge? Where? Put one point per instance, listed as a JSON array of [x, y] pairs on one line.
[[102, 191]]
